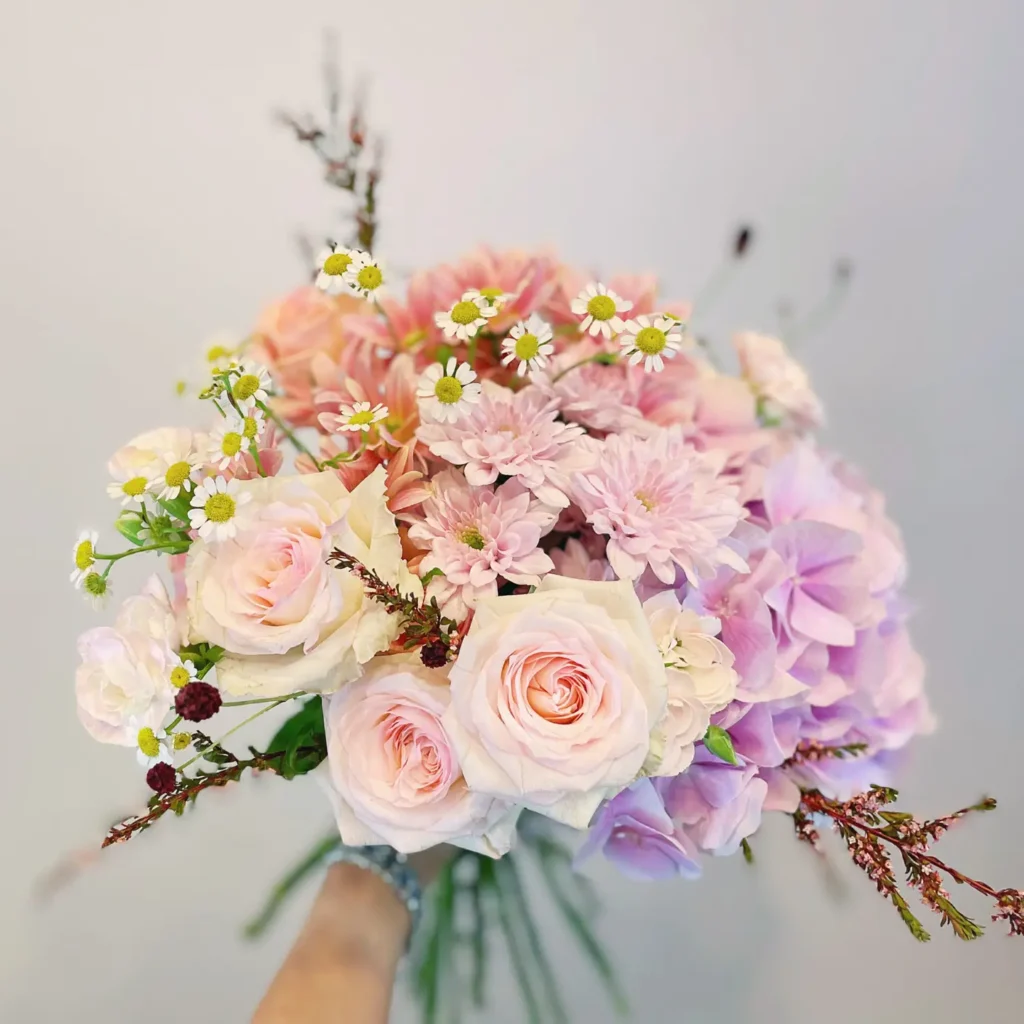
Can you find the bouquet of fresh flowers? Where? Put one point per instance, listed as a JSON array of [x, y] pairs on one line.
[[515, 554]]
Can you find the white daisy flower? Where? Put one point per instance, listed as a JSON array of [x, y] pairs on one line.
[[84, 556], [600, 309], [226, 443], [253, 423], [183, 673], [129, 486], [492, 296], [151, 747], [444, 392], [215, 506], [651, 340], [334, 264], [466, 317], [529, 342], [365, 275], [174, 469], [96, 588], [251, 385], [358, 417]]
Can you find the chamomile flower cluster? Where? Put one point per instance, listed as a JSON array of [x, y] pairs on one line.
[[346, 271]]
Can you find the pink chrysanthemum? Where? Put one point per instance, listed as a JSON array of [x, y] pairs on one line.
[[476, 535], [512, 434], [661, 503]]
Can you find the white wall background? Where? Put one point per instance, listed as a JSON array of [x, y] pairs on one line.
[[148, 199]]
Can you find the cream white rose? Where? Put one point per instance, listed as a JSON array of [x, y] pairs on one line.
[[393, 774], [123, 680], [685, 721], [287, 619], [688, 642], [554, 696]]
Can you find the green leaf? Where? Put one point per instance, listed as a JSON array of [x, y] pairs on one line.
[[719, 742], [178, 508], [303, 740], [748, 853], [430, 575], [129, 525]]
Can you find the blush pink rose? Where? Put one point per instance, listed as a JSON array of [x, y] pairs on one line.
[[555, 695], [394, 775]]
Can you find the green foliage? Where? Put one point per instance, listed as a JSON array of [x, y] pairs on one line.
[[302, 739], [129, 524], [748, 853], [719, 742]]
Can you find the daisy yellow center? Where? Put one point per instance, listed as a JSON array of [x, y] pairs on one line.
[[361, 419], [83, 555], [250, 428], [134, 487], [490, 294], [337, 263], [465, 312], [448, 390], [601, 307], [148, 743], [179, 676], [246, 386], [647, 502], [181, 740], [177, 474], [650, 341], [95, 584], [215, 353], [472, 538], [370, 278], [527, 347], [231, 443], [219, 508]]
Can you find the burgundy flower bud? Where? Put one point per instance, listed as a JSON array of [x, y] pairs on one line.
[[434, 654], [161, 777], [197, 701]]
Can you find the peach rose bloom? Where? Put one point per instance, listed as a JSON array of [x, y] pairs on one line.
[[287, 620], [393, 774], [288, 337], [555, 695]]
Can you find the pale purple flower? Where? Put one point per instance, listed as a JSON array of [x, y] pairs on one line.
[[636, 834], [715, 805], [661, 503], [476, 536], [512, 434]]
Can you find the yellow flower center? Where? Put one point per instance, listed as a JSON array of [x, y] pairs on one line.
[[361, 419], [177, 474], [231, 443], [246, 386], [465, 312], [179, 676], [134, 487], [95, 584], [180, 387], [448, 390], [83, 555], [219, 508], [648, 503], [369, 278], [181, 740], [527, 347], [250, 428], [215, 353], [472, 538], [650, 341], [337, 263], [601, 307], [490, 294], [148, 743]]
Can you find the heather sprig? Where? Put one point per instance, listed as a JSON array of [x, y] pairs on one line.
[[872, 833]]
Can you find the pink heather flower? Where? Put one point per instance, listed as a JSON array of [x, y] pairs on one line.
[[661, 503], [512, 434], [476, 536], [778, 380]]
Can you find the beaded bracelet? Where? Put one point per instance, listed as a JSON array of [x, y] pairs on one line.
[[391, 867]]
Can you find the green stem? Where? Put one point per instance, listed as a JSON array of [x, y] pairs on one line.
[[299, 446], [262, 700], [262, 711], [516, 951], [599, 357], [254, 451], [168, 728], [173, 548]]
